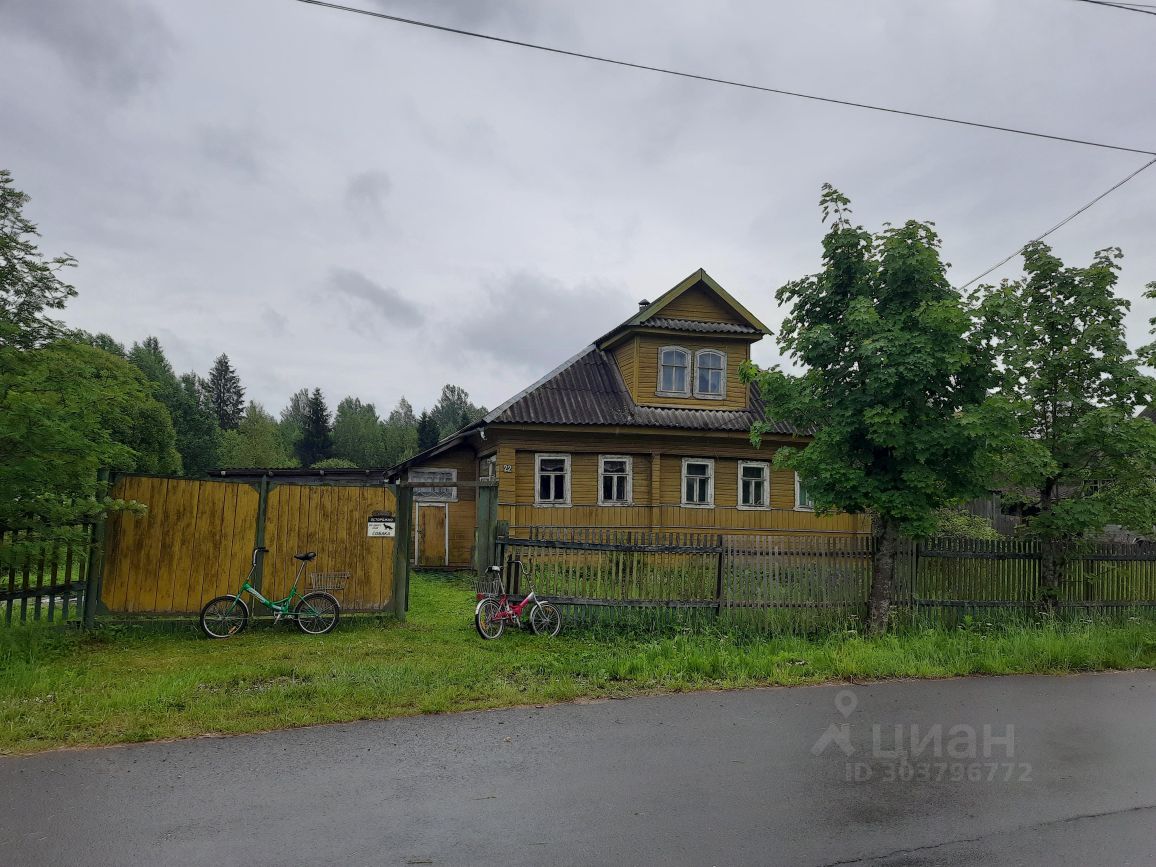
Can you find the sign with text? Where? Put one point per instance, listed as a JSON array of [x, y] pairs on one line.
[[382, 528]]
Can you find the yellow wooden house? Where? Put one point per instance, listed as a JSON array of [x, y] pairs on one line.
[[647, 428]]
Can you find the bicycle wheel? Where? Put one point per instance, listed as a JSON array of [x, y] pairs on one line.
[[317, 613], [486, 619], [545, 619], [224, 616]]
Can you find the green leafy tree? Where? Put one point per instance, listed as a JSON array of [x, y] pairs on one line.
[[67, 409], [226, 394], [427, 432], [358, 434], [399, 434], [453, 410], [1083, 460], [893, 387], [257, 442], [294, 418], [30, 284], [102, 341], [335, 464], [316, 442], [956, 523], [197, 432]]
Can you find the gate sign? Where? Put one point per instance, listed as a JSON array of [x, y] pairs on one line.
[[381, 527]]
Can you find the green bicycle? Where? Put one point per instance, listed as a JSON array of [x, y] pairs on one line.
[[316, 612]]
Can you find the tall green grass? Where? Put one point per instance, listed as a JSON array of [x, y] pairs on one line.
[[61, 688]]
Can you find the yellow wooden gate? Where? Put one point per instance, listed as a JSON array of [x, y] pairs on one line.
[[197, 538]]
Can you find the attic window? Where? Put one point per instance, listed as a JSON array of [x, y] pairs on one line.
[[710, 373], [673, 369]]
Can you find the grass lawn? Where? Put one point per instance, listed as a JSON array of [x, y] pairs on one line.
[[59, 689]]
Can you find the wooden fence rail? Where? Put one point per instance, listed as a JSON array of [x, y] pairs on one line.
[[828, 576]]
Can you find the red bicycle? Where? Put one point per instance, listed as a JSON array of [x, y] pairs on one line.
[[495, 610]]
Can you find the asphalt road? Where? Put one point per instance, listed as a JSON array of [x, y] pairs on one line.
[[750, 777]]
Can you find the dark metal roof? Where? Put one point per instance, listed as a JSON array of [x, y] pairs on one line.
[[588, 390], [701, 327]]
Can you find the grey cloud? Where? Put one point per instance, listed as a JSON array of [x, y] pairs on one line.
[[366, 192], [233, 149], [384, 302], [199, 195], [522, 16], [533, 321], [276, 321], [112, 45]]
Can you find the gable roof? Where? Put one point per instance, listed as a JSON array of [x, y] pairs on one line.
[[648, 315], [588, 390]]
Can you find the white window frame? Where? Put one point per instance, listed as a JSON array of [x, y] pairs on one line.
[[704, 395], [629, 479], [538, 458], [766, 486], [689, 356], [709, 488], [434, 494], [799, 507]]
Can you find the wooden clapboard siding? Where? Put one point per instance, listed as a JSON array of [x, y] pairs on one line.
[[737, 351], [702, 305], [461, 513], [626, 357], [676, 517], [196, 542], [657, 494]]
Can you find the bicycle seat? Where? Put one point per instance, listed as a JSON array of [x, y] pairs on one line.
[[311, 555]]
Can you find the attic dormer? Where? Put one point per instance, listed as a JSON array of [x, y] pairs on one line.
[[684, 350]]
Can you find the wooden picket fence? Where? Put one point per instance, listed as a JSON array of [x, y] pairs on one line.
[[800, 581], [48, 583]]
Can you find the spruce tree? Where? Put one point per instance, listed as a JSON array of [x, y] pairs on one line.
[[316, 442], [226, 394], [427, 432]]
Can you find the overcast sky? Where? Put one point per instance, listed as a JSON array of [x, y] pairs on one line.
[[378, 209]]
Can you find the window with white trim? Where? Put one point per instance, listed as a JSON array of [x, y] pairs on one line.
[[710, 374], [674, 371], [754, 485], [551, 480], [803, 499], [433, 494], [697, 481], [615, 480]]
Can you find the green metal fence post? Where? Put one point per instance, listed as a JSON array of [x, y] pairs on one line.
[[403, 539], [485, 533], [259, 541], [94, 574]]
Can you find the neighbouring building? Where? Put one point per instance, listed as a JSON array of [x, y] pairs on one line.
[[646, 428]]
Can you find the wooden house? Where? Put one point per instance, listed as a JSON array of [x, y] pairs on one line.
[[646, 428]]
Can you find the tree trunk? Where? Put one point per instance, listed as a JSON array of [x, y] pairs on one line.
[[1050, 573], [1050, 565], [886, 533]]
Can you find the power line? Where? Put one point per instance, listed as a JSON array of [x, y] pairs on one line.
[[713, 80], [1142, 8], [1060, 224]]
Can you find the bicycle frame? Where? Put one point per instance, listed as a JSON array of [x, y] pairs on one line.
[[507, 610], [279, 607]]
